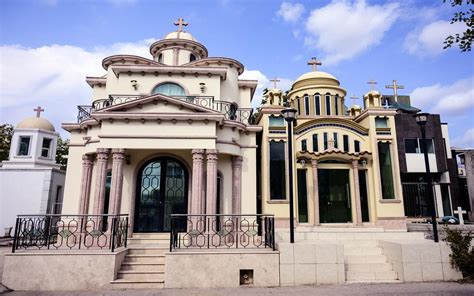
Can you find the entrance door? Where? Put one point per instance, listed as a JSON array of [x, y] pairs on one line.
[[162, 190], [364, 199], [334, 196], [302, 197]]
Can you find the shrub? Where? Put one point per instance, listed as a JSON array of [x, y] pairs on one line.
[[462, 254]]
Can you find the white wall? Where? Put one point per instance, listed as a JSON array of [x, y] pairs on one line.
[[416, 162]]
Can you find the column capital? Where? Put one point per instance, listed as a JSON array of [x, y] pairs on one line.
[[102, 154], [237, 161], [212, 155], [198, 154], [86, 160], [118, 154], [314, 163]]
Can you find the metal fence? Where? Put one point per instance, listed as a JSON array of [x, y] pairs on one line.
[[415, 199], [222, 231], [70, 232]]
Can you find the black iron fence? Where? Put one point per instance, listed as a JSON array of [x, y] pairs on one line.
[[415, 199], [70, 232], [222, 231]]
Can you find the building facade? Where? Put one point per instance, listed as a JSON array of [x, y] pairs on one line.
[[462, 177]]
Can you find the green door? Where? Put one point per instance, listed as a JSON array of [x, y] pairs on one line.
[[334, 196]]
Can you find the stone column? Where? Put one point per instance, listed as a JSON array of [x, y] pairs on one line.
[[211, 186], [85, 184], [237, 184], [314, 166], [355, 171], [196, 196], [116, 184], [102, 158]]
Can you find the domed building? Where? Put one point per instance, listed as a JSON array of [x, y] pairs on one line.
[[346, 169], [31, 181]]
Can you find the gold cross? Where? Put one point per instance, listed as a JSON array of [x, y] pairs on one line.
[[395, 86], [38, 111], [372, 83], [354, 98], [275, 80], [180, 23], [314, 63]]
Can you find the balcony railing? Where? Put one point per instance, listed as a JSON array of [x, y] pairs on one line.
[[70, 232], [222, 232], [230, 110]]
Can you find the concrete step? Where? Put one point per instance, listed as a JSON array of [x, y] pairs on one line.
[[370, 276], [369, 267], [135, 250], [375, 282], [160, 236], [149, 241], [127, 284], [132, 275], [138, 266], [155, 259], [351, 259], [363, 251], [361, 244]]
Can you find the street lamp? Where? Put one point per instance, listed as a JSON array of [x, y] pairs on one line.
[[290, 115], [421, 119]]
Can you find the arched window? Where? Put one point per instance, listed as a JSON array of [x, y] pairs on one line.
[[336, 104], [328, 104], [306, 105], [192, 58], [169, 89], [317, 104], [160, 58]]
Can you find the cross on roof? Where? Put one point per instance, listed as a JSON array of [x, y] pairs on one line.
[[275, 80], [354, 98], [38, 111], [372, 83], [314, 63], [180, 23], [395, 86]]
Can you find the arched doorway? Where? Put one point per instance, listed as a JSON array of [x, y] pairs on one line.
[[162, 190]]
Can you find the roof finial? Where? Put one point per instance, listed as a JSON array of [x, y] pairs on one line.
[[395, 86], [354, 99], [372, 83], [314, 63], [38, 111], [274, 80], [180, 23]]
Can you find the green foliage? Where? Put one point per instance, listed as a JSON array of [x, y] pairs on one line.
[[462, 256], [61, 152], [464, 40], [6, 133]]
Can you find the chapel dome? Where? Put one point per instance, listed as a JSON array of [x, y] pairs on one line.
[[314, 78], [36, 123], [180, 35], [316, 75]]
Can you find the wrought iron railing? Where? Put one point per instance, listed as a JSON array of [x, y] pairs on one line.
[[222, 232], [70, 232], [230, 110]]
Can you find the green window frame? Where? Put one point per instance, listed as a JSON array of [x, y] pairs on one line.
[[386, 171]]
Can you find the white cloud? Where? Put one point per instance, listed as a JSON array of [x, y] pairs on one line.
[[291, 12], [53, 77], [455, 99], [344, 29], [428, 40], [264, 82], [466, 140]]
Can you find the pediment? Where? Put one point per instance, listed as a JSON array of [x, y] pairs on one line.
[[159, 103]]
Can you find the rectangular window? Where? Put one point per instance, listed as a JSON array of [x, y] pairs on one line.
[[299, 106], [381, 122], [306, 105], [416, 145], [277, 170], [315, 143], [58, 201], [429, 145], [386, 175], [336, 144], [356, 146], [276, 121], [328, 105], [317, 104], [345, 139], [336, 105], [46, 148], [325, 138], [304, 145], [24, 146]]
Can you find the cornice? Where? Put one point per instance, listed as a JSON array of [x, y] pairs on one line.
[[218, 61], [178, 42], [252, 84], [314, 87], [100, 81], [375, 112], [340, 121], [170, 70], [126, 59]]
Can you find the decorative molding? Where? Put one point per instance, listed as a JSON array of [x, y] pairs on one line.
[[170, 70], [119, 136]]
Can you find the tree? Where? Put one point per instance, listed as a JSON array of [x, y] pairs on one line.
[[6, 133], [465, 39], [62, 152]]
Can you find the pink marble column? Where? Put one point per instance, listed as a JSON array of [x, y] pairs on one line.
[[85, 184], [355, 171], [314, 166], [197, 182], [237, 184], [116, 184], [211, 180], [102, 158]]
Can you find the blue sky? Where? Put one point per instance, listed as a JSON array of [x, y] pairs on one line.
[[49, 46]]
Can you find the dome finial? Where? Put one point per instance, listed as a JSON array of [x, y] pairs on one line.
[[314, 63], [354, 99], [275, 80], [38, 111], [180, 23], [372, 83]]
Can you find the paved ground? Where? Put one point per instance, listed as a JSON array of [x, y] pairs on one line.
[[354, 289], [3, 250]]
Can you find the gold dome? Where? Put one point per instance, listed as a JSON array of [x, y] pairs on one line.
[[36, 123]]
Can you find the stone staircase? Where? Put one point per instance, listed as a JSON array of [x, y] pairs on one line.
[[144, 264], [365, 262]]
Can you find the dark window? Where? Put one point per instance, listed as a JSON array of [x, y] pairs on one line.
[[160, 58], [315, 143], [325, 138], [58, 201], [386, 175], [299, 107], [24, 146], [277, 170], [46, 147], [381, 122], [336, 104], [345, 139], [336, 144], [429, 145], [328, 105], [317, 104], [192, 58], [411, 146], [356, 146], [306, 105], [304, 145]]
